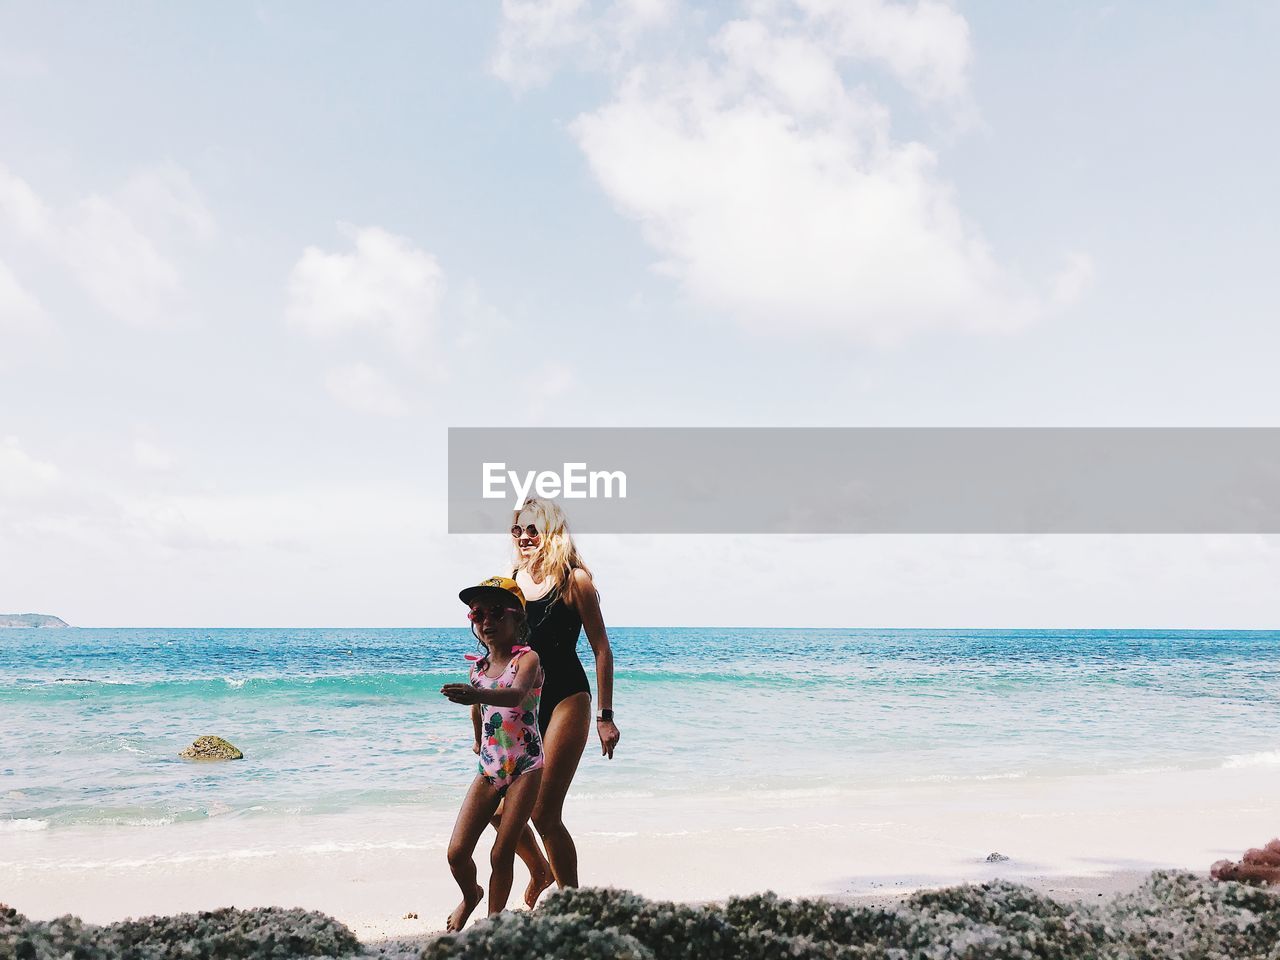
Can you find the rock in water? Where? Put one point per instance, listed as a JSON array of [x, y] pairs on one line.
[[211, 748], [996, 858]]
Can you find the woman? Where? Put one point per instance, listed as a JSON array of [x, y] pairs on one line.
[[560, 601]]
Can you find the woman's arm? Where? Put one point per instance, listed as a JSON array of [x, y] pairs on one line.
[[588, 606], [477, 717]]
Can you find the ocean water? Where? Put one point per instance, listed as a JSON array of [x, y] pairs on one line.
[[342, 721]]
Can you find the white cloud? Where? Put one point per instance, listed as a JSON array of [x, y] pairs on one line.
[[793, 69], [533, 32], [297, 520], [386, 286], [43, 505], [22, 476], [22, 211], [776, 194], [767, 177], [547, 403], [361, 387], [120, 266], [332, 556], [19, 309], [123, 247], [148, 456], [170, 523], [164, 196], [537, 37], [644, 13], [475, 320], [1074, 279], [925, 43], [556, 380]]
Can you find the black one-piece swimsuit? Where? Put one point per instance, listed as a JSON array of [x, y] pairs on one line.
[[554, 627]]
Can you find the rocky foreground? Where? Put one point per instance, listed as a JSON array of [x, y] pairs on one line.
[[1172, 916]]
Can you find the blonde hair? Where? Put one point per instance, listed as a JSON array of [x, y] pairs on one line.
[[557, 556]]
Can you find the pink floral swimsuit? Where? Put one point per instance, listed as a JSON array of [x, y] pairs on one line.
[[509, 740]]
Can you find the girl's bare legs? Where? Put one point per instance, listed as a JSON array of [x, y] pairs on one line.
[[518, 802], [477, 807], [563, 744]]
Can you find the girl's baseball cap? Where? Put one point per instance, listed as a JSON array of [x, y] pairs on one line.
[[495, 588]]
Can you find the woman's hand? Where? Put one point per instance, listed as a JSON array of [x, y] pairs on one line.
[[587, 603], [475, 747], [609, 736], [463, 693]]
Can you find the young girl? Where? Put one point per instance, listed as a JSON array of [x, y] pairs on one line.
[[504, 690]]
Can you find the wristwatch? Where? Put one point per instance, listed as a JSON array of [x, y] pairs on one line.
[[605, 715]]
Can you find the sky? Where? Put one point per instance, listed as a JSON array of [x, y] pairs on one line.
[[256, 259]]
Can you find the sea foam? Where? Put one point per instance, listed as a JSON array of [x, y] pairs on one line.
[[1266, 758], [23, 825]]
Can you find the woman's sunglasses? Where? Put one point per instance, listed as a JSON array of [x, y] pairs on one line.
[[496, 614], [530, 531]]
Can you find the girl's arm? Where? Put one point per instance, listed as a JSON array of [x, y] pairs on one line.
[[512, 696], [588, 606], [477, 717]]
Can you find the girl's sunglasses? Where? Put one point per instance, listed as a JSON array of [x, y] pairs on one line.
[[530, 531], [496, 614]]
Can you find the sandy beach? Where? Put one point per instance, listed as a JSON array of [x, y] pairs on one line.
[[1068, 837]]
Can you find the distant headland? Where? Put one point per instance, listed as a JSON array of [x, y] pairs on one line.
[[31, 620]]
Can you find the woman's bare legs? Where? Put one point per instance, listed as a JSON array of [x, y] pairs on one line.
[[519, 801], [563, 744], [1258, 865], [477, 807], [562, 748], [540, 875]]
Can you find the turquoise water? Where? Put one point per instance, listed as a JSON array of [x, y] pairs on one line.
[[331, 721]]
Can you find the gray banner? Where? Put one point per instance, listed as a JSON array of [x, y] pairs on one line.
[[872, 480]]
